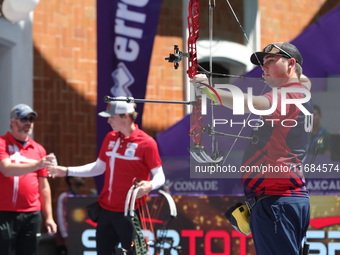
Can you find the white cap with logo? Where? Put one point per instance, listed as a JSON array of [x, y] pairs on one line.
[[21, 111], [117, 107]]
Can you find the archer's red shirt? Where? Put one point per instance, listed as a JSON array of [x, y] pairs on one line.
[[20, 193], [126, 158]]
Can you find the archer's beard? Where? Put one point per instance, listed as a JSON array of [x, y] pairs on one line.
[[26, 131]]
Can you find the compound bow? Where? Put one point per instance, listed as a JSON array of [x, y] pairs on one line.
[[151, 228], [198, 151]]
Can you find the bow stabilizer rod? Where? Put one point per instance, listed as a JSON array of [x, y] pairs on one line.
[[253, 139], [108, 99]]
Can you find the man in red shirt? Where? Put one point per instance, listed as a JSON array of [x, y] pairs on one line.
[[24, 189], [126, 153], [278, 200]]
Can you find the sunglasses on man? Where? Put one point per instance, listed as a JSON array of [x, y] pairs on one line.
[[272, 48], [25, 119]]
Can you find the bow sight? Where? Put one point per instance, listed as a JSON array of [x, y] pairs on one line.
[[177, 56]]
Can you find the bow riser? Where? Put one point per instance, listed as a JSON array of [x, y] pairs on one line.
[[193, 27], [197, 151]]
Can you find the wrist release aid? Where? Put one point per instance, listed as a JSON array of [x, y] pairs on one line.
[[239, 218]]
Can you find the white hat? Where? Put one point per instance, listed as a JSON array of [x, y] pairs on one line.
[[21, 111], [117, 107]]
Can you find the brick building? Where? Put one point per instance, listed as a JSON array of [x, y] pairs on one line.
[[64, 64]]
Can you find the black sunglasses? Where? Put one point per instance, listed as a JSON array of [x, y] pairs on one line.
[[25, 119], [270, 47]]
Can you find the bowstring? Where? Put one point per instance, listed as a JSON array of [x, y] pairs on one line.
[[244, 32], [214, 143], [146, 215], [157, 205], [212, 6], [156, 214], [258, 60], [203, 70]]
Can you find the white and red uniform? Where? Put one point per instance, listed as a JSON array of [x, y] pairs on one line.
[[126, 158], [20, 193]]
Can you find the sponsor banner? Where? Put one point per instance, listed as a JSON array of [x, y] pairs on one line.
[[126, 31], [201, 228]]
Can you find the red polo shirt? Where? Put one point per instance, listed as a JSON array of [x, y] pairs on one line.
[[20, 193], [126, 158]]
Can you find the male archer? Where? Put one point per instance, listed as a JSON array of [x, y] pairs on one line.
[[126, 153], [278, 201]]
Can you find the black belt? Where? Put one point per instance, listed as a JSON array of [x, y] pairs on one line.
[[252, 201]]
